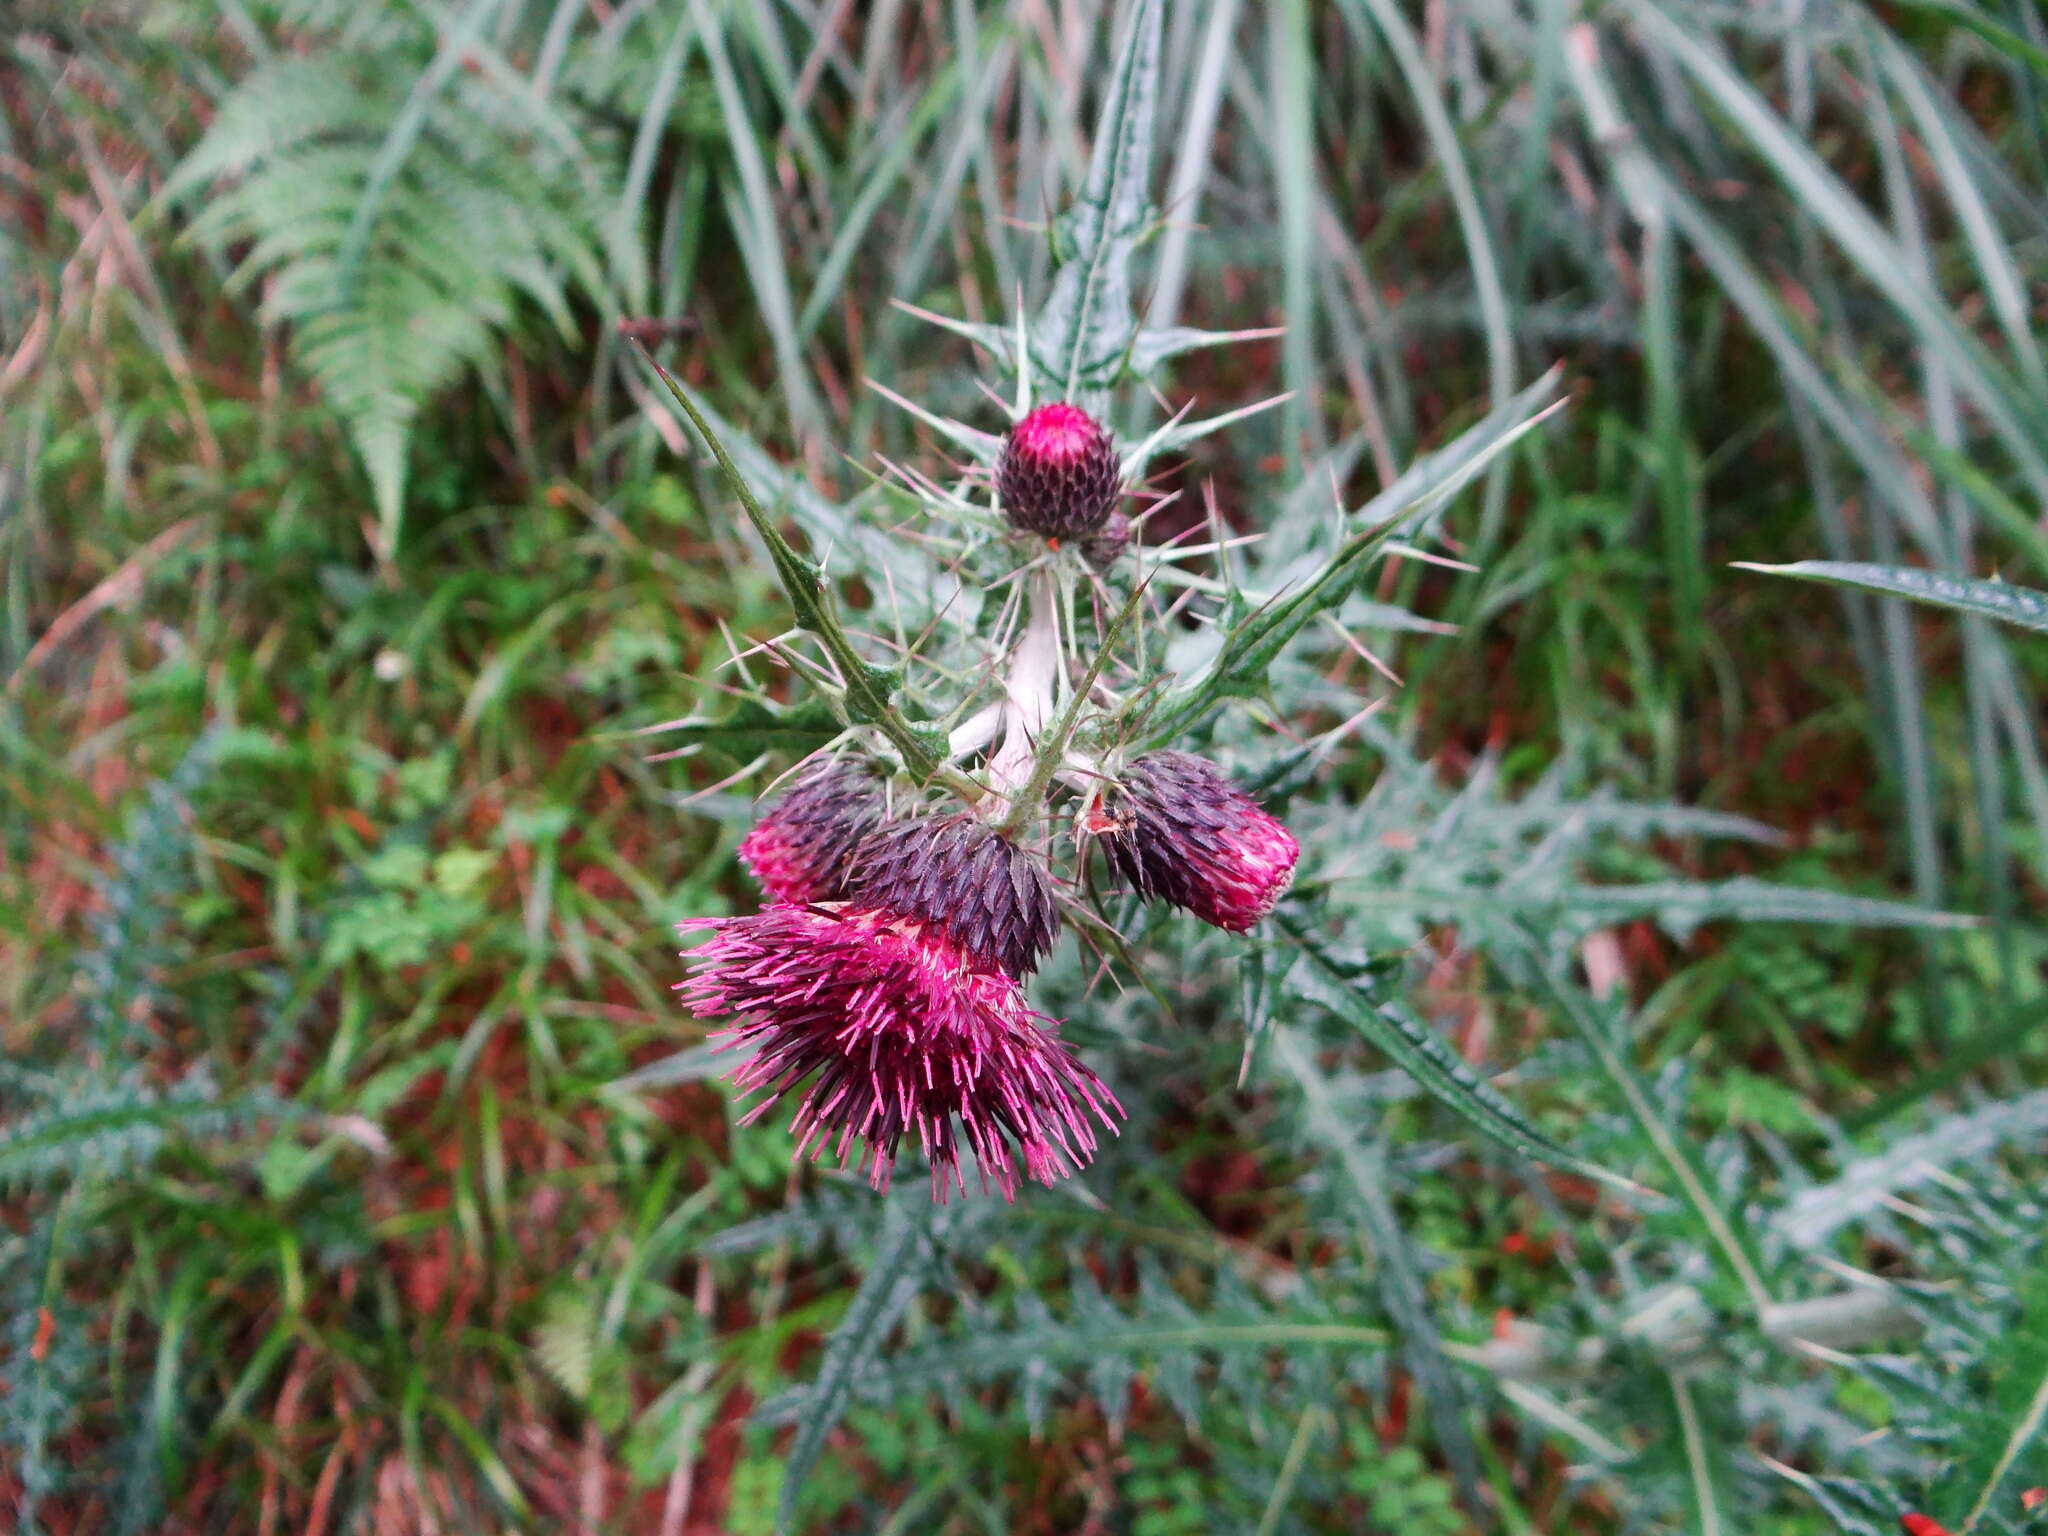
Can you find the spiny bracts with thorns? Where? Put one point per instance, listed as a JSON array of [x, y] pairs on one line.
[[1177, 829], [964, 879], [1058, 476], [902, 1031], [803, 847]]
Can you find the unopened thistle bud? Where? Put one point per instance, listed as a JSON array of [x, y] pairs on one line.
[[964, 879], [803, 847], [1177, 829], [1057, 476]]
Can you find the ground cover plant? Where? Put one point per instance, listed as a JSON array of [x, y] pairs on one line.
[[1548, 1024]]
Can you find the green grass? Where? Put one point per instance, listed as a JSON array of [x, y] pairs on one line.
[[343, 545]]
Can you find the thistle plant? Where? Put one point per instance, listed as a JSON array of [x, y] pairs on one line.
[[941, 833]]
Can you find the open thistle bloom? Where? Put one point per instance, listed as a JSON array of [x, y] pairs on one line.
[[901, 1031], [965, 880], [1177, 829], [801, 849], [1057, 476]]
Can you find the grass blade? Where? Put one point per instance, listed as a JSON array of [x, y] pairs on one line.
[[2021, 606]]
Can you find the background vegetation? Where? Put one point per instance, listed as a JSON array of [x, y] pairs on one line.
[[358, 1173]]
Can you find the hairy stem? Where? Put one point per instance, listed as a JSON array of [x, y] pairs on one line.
[[1052, 751], [1031, 686]]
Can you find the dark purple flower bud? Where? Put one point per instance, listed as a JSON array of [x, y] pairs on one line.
[[903, 1031], [1176, 829], [1057, 476], [802, 848], [963, 879]]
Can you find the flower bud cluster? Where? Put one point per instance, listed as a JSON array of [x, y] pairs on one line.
[[884, 979]]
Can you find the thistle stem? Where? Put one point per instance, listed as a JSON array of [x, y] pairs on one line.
[[1052, 750], [1031, 687]]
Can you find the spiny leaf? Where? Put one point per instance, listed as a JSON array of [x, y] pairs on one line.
[[1255, 642], [1681, 906], [1154, 347], [867, 689], [890, 1285], [115, 1128], [1812, 1216], [755, 726], [1524, 959], [1084, 332], [913, 586], [1704, 1437], [1857, 1508], [1987, 599], [1343, 988], [1158, 1331], [1400, 1284]]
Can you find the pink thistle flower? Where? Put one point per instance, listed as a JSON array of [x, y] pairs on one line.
[[1177, 829], [801, 849], [964, 880], [900, 1031], [1058, 474]]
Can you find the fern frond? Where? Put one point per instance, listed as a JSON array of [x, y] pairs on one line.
[[397, 263]]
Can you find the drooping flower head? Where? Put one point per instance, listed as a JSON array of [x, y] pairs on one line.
[[1177, 829], [963, 879], [802, 847], [900, 1031], [1057, 475]]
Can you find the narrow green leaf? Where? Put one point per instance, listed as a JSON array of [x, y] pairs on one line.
[[1448, 146], [2022, 606], [1858, 235], [2004, 39]]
